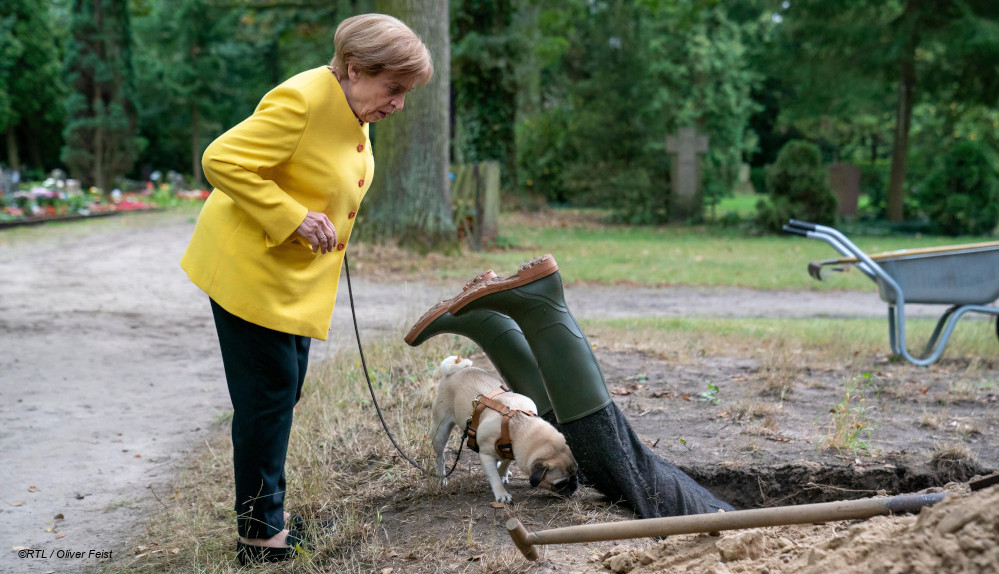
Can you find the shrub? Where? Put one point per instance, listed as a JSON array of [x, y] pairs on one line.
[[541, 156], [961, 194], [758, 178], [874, 178], [798, 183]]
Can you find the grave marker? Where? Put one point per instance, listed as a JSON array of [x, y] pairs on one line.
[[844, 179], [686, 199]]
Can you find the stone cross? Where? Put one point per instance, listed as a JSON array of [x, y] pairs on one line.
[[844, 179], [686, 146]]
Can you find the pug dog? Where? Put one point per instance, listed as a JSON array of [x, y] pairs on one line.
[[538, 447]]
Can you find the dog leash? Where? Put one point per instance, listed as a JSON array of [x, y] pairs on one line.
[[374, 401]]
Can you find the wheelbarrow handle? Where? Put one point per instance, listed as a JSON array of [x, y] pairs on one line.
[[803, 224], [795, 231]]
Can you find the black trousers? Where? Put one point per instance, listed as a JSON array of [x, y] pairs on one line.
[[264, 370]]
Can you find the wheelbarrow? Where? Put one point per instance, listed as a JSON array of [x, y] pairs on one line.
[[963, 277]]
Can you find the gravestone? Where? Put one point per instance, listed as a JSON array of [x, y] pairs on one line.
[[686, 199], [844, 179], [743, 184], [7, 183]]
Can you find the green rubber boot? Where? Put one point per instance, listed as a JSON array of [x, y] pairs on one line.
[[534, 300], [500, 339], [611, 457]]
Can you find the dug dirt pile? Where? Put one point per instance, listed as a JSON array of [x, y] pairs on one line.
[[959, 534]]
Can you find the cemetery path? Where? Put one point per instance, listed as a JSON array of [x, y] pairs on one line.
[[110, 374]]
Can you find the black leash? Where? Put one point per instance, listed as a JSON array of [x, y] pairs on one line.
[[374, 401]]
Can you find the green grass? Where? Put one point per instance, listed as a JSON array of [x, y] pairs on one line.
[[672, 255], [741, 204], [744, 204], [829, 340]]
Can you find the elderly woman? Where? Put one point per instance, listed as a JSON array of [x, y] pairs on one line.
[[269, 243]]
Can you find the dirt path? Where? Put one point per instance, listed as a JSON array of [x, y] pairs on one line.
[[110, 374]]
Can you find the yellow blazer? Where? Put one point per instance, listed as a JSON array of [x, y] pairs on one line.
[[301, 150]]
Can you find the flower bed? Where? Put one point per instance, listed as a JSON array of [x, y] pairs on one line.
[[48, 202]]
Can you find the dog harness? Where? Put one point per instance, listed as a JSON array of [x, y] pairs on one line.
[[504, 446]]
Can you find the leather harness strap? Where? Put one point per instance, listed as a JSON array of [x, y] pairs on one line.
[[504, 446]]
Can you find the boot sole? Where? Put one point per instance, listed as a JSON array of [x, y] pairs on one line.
[[439, 309], [529, 272]]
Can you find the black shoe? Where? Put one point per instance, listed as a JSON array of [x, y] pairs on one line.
[[252, 554]]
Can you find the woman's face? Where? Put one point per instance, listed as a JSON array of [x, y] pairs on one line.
[[374, 98]]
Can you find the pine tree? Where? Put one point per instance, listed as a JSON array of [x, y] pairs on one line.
[[31, 89], [484, 60], [100, 142]]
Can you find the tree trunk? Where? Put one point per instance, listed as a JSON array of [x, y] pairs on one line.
[[195, 144], [900, 152], [33, 142], [193, 51], [12, 156], [98, 142], [903, 117], [410, 199]]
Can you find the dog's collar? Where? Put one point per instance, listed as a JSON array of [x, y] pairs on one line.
[[504, 445]]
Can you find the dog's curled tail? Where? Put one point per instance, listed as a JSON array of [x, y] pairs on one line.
[[453, 364]]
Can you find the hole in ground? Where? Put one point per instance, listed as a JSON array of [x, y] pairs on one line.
[[807, 482]]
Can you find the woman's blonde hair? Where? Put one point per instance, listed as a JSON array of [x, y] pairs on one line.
[[376, 43]]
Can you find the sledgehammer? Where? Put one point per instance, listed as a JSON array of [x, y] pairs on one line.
[[776, 516]]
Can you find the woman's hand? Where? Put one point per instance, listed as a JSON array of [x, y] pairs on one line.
[[318, 231]]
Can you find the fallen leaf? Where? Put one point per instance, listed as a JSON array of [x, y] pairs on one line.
[[497, 504], [60, 535], [17, 503], [59, 517], [32, 488]]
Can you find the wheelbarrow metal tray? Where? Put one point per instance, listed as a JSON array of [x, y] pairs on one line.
[[964, 275]]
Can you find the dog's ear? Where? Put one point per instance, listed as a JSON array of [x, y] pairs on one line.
[[538, 473]]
